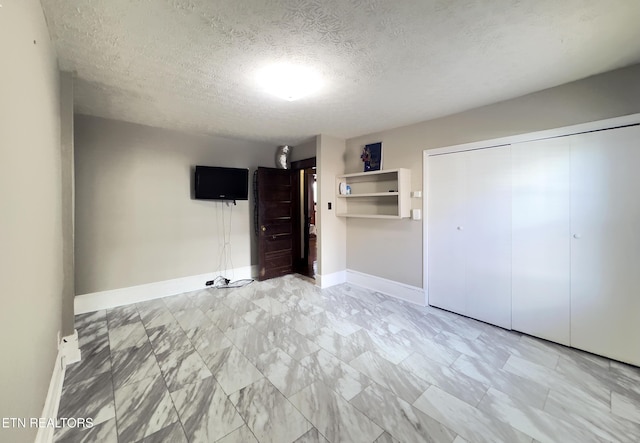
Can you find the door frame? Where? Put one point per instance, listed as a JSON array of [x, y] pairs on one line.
[[610, 123], [298, 166], [309, 174]]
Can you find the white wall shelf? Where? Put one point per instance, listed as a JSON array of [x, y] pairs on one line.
[[370, 216], [370, 194], [375, 194]]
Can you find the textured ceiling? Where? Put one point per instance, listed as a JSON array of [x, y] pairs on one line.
[[191, 64]]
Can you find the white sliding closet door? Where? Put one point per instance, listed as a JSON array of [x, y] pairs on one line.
[[488, 235], [605, 247], [541, 233], [469, 234], [446, 256]]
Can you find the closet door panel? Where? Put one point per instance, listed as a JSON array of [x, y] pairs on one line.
[[446, 259], [605, 247], [541, 226], [488, 235]]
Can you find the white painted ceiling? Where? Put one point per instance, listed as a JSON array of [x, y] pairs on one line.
[[191, 64]]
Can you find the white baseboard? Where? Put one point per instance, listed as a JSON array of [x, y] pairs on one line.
[[405, 292], [96, 301], [327, 280], [68, 352]]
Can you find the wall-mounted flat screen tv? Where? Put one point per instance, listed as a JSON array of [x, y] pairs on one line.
[[216, 183]]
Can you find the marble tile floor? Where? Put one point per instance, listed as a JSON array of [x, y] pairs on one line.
[[283, 361]]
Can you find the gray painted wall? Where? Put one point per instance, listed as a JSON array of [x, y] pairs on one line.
[[304, 150], [392, 249], [136, 222], [332, 254], [399, 255], [31, 238]]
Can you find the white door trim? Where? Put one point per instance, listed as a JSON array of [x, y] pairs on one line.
[[609, 123]]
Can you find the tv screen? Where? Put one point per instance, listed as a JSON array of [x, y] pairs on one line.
[[215, 183]]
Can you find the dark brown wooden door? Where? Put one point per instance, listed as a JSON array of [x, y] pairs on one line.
[[275, 222]]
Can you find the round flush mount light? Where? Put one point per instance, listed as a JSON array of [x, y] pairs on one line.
[[289, 82]]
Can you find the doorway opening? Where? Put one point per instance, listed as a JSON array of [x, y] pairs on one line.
[[306, 257]]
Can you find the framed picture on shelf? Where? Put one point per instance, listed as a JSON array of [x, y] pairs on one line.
[[372, 157]]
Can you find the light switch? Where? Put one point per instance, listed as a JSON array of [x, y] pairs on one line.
[[416, 214], [416, 194]]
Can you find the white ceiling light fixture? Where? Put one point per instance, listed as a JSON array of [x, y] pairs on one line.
[[289, 82]]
